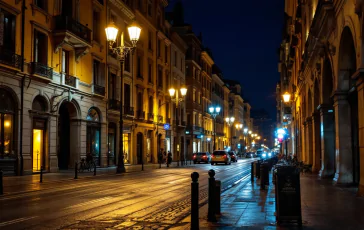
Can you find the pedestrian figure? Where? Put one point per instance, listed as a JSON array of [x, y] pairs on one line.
[[164, 157], [169, 158], [160, 157]]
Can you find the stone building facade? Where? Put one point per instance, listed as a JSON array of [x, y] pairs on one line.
[[321, 59]]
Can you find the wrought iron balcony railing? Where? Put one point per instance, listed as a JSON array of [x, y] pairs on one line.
[[70, 80], [9, 58], [114, 104], [71, 25], [100, 90], [42, 70], [128, 110]]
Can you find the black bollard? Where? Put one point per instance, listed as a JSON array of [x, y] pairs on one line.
[[257, 170], [262, 176], [194, 201], [211, 208], [41, 175], [252, 171], [218, 197], [1, 183], [94, 169], [75, 171], [142, 165]]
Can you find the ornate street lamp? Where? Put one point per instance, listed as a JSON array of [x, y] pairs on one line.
[[286, 97], [121, 52], [230, 122], [214, 111], [176, 98], [245, 137]]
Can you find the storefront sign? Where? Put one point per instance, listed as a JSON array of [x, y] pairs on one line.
[[166, 126]]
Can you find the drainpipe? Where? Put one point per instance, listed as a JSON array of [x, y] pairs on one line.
[[22, 88]]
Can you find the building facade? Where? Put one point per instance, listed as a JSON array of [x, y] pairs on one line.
[[321, 58]]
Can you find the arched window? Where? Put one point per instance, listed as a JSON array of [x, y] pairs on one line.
[[7, 110], [93, 115], [39, 104]]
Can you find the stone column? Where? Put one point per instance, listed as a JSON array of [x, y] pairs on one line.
[[360, 88], [309, 141], [316, 142], [303, 135], [327, 141], [344, 155]]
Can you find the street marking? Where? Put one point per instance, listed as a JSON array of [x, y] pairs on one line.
[[16, 221], [88, 202]]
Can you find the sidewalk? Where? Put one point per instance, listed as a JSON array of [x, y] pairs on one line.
[[324, 206], [18, 182]]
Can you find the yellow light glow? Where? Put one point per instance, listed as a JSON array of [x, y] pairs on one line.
[[172, 92], [134, 33], [286, 97], [7, 124], [183, 91], [111, 32]]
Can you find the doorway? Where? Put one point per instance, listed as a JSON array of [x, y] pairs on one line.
[[38, 149], [64, 136], [139, 148], [111, 144]]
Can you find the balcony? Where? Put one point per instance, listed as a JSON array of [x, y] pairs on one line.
[[42, 70], [140, 114], [150, 116], [69, 32], [100, 90], [70, 80], [10, 58], [114, 104], [129, 111]]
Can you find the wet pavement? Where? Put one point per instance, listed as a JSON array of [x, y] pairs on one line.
[[160, 199]]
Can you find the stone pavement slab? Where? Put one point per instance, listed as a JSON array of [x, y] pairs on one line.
[[324, 206]]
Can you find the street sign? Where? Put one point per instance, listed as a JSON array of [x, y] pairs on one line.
[[166, 126]]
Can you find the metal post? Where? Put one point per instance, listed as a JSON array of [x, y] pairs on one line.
[[218, 197], [252, 171], [214, 133], [94, 169], [142, 164], [262, 176], [76, 170], [41, 174], [121, 166], [194, 201], [286, 148], [211, 208], [178, 158], [1, 183]]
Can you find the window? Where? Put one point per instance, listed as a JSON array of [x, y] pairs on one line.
[[140, 5], [150, 105], [41, 4], [96, 26], [150, 72], [160, 77], [150, 40], [7, 129], [167, 79], [150, 8], [194, 95], [175, 59], [159, 48], [166, 54], [93, 135], [7, 35], [127, 96], [112, 86], [167, 111], [181, 64], [139, 67], [199, 98], [40, 48], [98, 73], [127, 63]]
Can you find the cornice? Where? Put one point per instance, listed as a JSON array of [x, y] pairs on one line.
[[207, 57], [123, 8]]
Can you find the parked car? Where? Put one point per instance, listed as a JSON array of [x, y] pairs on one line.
[[234, 156], [258, 153], [220, 156], [249, 155], [202, 157]]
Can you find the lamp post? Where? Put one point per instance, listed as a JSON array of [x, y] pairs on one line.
[[214, 111], [245, 133], [230, 122], [286, 98], [121, 52], [238, 128], [175, 98]]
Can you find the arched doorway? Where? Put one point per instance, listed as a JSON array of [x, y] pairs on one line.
[[67, 111], [8, 110], [346, 106], [39, 134], [139, 148], [316, 128], [111, 138]]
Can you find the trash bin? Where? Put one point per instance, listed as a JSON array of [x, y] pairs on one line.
[[288, 195]]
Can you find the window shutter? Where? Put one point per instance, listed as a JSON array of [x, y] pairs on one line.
[[101, 75]]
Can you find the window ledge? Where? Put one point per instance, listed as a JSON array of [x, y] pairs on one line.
[[44, 12]]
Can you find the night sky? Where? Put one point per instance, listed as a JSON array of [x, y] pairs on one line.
[[244, 37]]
